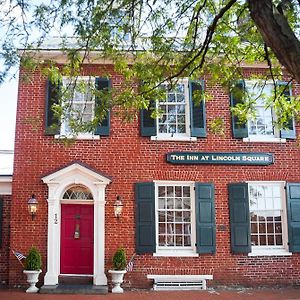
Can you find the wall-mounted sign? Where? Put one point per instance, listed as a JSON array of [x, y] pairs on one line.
[[224, 158]]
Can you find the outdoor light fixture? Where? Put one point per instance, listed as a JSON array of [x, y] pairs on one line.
[[118, 207], [32, 206]]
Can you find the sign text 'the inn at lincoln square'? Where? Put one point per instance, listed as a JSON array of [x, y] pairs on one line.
[[220, 158]]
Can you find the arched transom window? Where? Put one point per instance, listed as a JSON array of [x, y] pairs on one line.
[[78, 192]]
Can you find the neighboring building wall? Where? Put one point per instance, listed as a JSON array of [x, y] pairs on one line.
[[128, 158], [4, 243]]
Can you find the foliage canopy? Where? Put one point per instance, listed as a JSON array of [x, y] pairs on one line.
[[157, 41]]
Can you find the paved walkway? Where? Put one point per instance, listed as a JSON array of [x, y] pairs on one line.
[[236, 294]]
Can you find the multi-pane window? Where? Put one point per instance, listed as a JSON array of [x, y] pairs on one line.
[[174, 216], [262, 125], [174, 109], [267, 215], [79, 102], [78, 192]]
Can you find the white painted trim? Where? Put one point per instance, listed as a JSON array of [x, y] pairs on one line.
[[174, 253], [178, 277], [263, 139], [174, 138], [5, 188], [282, 252], [76, 275], [5, 178], [73, 201], [58, 182], [80, 136]]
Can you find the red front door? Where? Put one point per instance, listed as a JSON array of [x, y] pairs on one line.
[[77, 239]]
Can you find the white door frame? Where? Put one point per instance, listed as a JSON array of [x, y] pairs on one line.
[[58, 182]]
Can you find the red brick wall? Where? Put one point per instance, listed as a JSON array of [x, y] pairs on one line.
[[129, 158], [4, 249]]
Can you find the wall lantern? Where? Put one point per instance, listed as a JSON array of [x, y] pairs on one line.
[[118, 207], [32, 206]]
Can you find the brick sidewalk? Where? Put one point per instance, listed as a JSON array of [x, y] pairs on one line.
[[234, 294]]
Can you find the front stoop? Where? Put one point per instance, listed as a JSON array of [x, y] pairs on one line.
[[87, 289]]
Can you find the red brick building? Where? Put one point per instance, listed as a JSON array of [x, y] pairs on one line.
[[194, 202]]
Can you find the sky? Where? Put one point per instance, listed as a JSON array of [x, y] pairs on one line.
[[8, 104]]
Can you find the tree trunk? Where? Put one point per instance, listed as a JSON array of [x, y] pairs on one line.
[[277, 34]]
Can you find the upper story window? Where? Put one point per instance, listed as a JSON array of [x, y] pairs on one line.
[[174, 111], [79, 105], [82, 101], [181, 114], [261, 128]]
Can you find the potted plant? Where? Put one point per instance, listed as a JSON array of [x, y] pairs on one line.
[[32, 270], [119, 269]]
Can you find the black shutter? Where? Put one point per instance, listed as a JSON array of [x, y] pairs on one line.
[[197, 110], [239, 218], [1, 220], [148, 124], [239, 130], [52, 123], [293, 216], [104, 126], [205, 218], [145, 217], [290, 131]]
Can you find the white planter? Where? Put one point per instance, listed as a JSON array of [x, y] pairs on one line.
[[32, 279], [117, 279]]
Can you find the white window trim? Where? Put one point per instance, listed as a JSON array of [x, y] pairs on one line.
[[275, 138], [263, 139], [81, 135], [184, 137], [274, 250], [174, 138], [179, 252]]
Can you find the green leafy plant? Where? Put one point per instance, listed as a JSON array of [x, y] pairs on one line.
[[119, 259], [33, 260]]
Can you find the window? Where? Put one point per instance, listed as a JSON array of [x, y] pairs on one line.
[[79, 104], [175, 218], [260, 129], [82, 102], [181, 113], [174, 111], [78, 192], [263, 124], [267, 217]]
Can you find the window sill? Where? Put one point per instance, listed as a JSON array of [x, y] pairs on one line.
[[270, 253], [262, 139], [174, 138], [179, 253], [78, 137]]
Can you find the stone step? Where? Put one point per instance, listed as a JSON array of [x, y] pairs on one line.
[[74, 289]]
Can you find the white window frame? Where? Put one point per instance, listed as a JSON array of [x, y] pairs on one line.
[[273, 250], [176, 251], [81, 135], [178, 136], [275, 138]]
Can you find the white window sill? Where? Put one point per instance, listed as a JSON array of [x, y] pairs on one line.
[[174, 138], [270, 253], [78, 137], [175, 253], [263, 139]]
